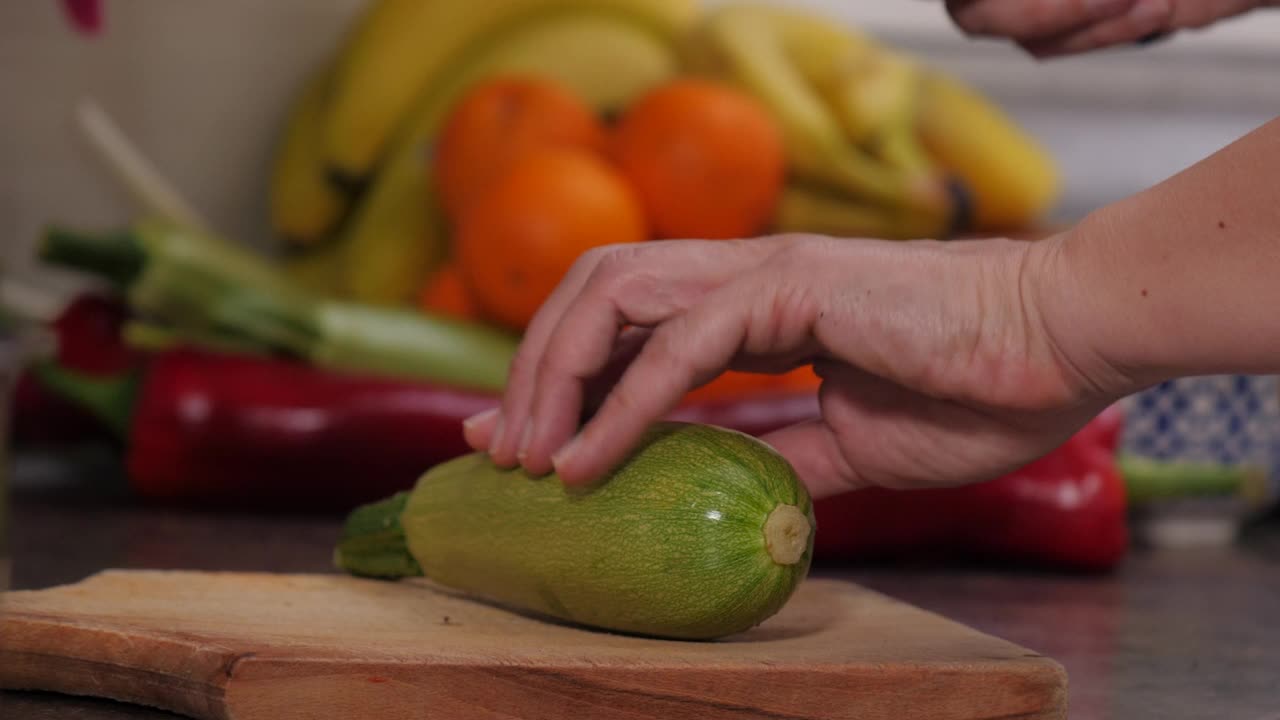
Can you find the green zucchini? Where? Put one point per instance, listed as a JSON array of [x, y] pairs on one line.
[[700, 533]]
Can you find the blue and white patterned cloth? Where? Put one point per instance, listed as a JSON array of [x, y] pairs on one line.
[[1221, 419]]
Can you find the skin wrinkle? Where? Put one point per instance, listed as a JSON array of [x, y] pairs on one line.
[[1062, 256], [786, 321], [665, 299], [837, 461], [911, 465], [1002, 362], [976, 350], [1072, 371]]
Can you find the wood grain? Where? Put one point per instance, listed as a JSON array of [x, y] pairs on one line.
[[256, 646]]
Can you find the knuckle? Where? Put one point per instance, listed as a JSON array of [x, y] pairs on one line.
[[593, 257], [614, 264], [665, 345], [556, 360], [796, 251], [592, 263], [625, 280]]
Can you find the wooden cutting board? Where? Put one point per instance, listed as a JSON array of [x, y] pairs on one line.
[[279, 647]]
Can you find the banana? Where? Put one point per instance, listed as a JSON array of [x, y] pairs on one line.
[[1012, 178], [402, 47], [876, 98], [777, 55], [838, 61], [315, 268], [305, 206], [813, 210], [396, 236]]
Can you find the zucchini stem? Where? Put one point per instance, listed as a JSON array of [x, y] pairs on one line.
[[373, 542], [786, 534]]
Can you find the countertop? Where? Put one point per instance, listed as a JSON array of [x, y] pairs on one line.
[[1171, 634]]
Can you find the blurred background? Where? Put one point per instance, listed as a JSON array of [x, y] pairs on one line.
[[194, 101], [170, 74]]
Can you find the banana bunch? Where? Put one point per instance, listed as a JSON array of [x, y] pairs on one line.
[[351, 187], [878, 145]]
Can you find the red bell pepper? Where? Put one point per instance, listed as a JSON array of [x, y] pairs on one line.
[[254, 432], [258, 433], [85, 15], [88, 335], [239, 431], [1066, 509]]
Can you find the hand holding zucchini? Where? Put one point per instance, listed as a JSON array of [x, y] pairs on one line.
[[701, 533]]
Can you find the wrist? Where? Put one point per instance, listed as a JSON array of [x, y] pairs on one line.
[[1063, 281]]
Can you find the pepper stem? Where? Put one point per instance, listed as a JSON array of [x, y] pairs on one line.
[[786, 534], [116, 256], [111, 400], [373, 542]]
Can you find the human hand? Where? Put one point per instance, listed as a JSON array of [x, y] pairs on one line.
[[937, 366], [1058, 27]]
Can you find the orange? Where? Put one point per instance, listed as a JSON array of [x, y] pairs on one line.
[[522, 234], [734, 385], [495, 121], [802, 378], [708, 160], [445, 293]]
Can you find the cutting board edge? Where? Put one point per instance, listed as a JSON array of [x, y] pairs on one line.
[[459, 690], [120, 668]]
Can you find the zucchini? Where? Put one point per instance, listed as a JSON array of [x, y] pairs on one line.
[[702, 532]]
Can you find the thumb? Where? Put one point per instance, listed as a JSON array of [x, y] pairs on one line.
[[813, 450]]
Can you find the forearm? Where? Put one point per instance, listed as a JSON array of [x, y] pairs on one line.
[[1181, 279]]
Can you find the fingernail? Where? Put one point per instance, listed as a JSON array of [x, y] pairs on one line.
[[564, 454], [479, 418], [526, 438]]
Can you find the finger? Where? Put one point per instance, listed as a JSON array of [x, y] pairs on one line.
[[581, 348], [644, 288], [629, 344], [478, 429], [1027, 19], [499, 440], [1146, 17], [814, 451], [694, 345], [583, 343]]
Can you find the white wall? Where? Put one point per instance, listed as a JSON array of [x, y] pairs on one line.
[[200, 86]]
